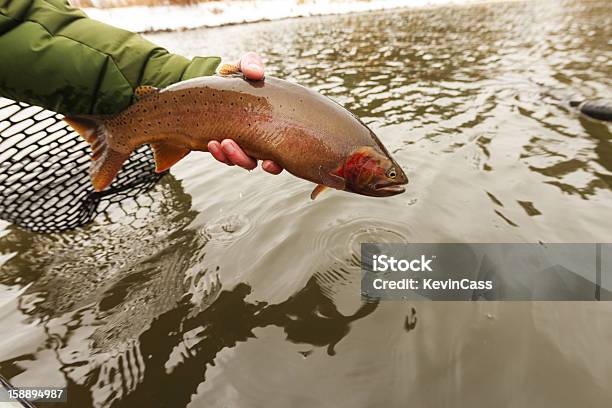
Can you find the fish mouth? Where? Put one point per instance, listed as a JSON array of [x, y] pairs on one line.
[[386, 189]]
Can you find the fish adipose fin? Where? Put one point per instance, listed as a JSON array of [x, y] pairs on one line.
[[106, 162], [166, 155], [229, 69], [145, 90]]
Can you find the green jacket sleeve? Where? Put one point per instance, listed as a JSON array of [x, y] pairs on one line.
[[54, 56]]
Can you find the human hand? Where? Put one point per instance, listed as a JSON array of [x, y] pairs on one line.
[[228, 151]]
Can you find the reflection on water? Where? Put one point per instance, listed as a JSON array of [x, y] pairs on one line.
[[222, 288]]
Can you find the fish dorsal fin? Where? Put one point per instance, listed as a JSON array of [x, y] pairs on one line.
[[166, 155], [317, 190], [229, 69], [145, 90]]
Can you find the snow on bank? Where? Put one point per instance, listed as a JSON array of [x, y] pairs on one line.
[[211, 14]]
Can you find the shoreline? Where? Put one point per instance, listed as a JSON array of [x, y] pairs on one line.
[[154, 19]]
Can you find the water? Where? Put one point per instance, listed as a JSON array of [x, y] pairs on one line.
[[227, 288]]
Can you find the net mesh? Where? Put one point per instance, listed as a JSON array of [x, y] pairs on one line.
[[44, 172]]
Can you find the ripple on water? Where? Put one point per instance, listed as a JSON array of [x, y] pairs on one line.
[[227, 228], [342, 242], [339, 249]]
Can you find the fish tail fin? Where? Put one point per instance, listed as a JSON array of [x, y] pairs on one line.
[[106, 162]]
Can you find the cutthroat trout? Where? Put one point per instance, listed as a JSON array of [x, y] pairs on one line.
[[306, 133]]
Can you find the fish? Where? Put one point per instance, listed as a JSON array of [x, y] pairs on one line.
[[311, 136], [599, 109]]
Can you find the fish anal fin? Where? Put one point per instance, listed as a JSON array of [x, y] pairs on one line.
[[166, 155], [317, 190], [145, 90]]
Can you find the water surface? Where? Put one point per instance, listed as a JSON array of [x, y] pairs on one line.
[[227, 288]]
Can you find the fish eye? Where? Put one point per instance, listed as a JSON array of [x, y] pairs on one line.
[[391, 173]]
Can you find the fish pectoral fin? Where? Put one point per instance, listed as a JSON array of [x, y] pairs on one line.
[[229, 69], [328, 180], [332, 180], [317, 190], [145, 90], [166, 155]]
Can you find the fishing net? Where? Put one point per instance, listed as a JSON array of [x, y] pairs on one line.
[[44, 172]]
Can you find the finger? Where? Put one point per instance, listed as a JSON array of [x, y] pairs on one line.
[[236, 155], [271, 167], [214, 148], [251, 66]]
